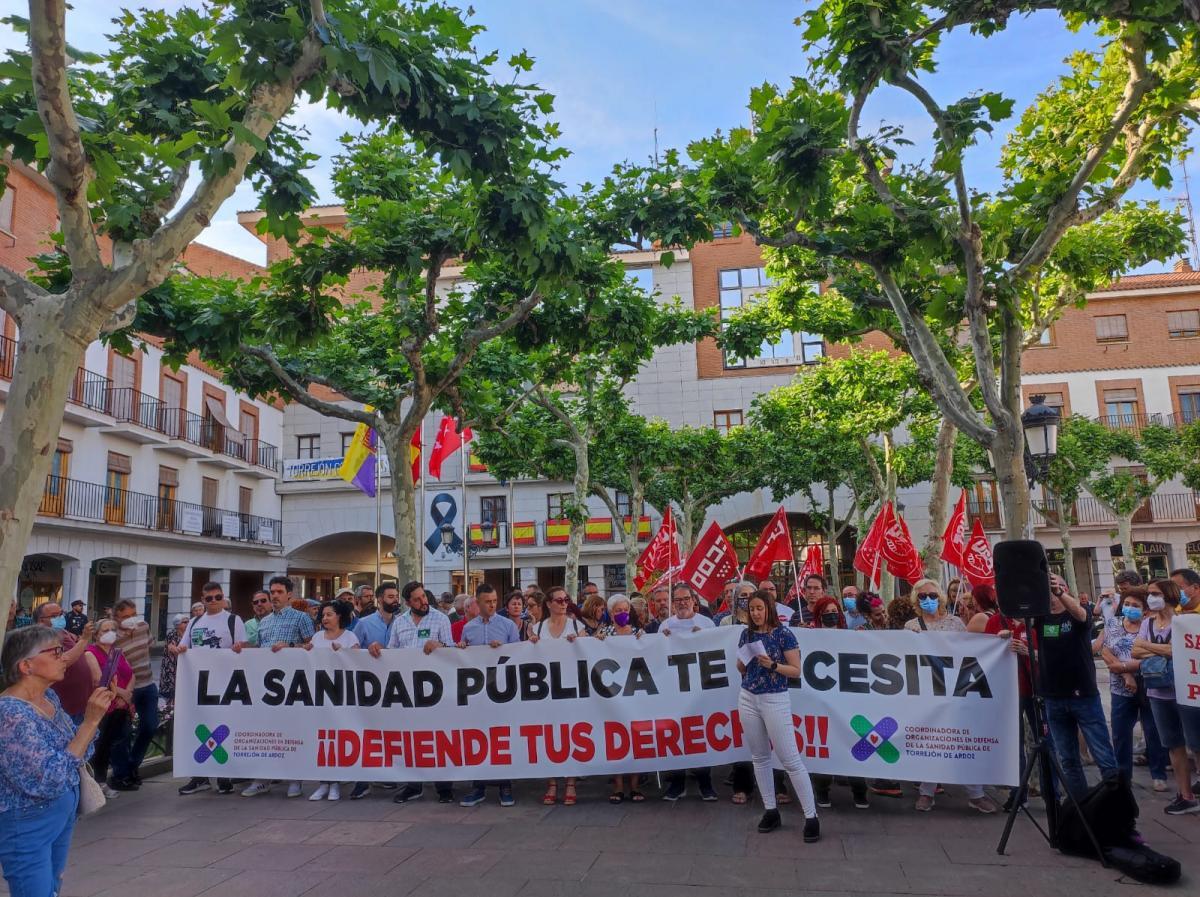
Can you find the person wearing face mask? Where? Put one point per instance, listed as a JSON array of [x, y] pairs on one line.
[[624, 622], [1178, 724], [828, 615], [75, 686], [933, 616], [110, 669], [1129, 701], [1188, 581], [855, 617], [134, 641]]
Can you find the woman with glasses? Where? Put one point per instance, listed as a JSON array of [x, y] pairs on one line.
[[933, 616], [110, 669], [591, 615], [558, 624], [41, 759], [624, 622]]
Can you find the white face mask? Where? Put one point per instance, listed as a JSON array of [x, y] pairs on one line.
[[129, 623], [107, 638], [1155, 602]]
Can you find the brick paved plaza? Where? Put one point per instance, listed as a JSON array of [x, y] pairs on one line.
[[154, 843]]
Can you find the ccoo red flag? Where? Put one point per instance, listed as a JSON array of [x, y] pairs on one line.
[[814, 562], [448, 441], [867, 559], [898, 549], [977, 558], [711, 565], [954, 539], [775, 544], [661, 554]]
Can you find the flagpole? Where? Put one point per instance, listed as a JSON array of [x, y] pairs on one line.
[[424, 477], [466, 454], [378, 514]]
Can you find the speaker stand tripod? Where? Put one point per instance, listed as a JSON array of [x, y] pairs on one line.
[[1043, 758]]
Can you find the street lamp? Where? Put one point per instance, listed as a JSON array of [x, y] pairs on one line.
[[447, 535], [487, 531], [1040, 422]]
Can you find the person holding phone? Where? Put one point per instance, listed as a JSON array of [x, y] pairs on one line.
[[110, 669]]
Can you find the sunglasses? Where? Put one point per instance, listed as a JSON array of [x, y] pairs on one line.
[[261, 601], [924, 595], [209, 599], [559, 600]]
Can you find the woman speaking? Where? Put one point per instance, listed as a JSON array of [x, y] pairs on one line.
[[772, 657], [41, 759]]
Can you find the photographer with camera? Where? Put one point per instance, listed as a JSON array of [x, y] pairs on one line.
[[1067, 682]]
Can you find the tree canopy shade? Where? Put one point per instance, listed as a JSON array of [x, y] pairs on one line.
[[205, 91], [911, 246]]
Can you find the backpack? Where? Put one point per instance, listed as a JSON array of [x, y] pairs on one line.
[[187, 633]]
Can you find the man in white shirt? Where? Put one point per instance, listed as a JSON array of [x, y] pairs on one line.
[[683, 622], [426, 628]]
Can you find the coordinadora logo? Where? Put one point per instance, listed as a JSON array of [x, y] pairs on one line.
[[210, 743], [874, 738]]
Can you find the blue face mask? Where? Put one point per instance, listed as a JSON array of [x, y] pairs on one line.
[[1183, 598], [58, 623], [929, 605], [850, 604], [1132, 614]]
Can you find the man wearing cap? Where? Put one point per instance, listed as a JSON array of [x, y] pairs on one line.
[[76, 618]]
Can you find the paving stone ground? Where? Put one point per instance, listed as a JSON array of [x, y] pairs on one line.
[[154, 843]]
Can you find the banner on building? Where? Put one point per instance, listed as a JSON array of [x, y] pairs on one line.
[[1185, 658], [443, 508], [307, 470], [937, 707]]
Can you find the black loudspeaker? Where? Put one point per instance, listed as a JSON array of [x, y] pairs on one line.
[[1022, 578]]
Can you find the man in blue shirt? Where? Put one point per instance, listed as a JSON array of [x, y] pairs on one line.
[[493, 631], [373, 628]]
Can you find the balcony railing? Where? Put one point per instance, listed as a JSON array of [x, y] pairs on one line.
[[1162, 507], [1134, 423], [95, 503], [90, 390]]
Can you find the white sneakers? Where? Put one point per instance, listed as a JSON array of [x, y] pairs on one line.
[[109, 793], [321, 793], [295, 789], [255, 788]]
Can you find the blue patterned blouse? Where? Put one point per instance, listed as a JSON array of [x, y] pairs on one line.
[[758, 679], [35, 764]]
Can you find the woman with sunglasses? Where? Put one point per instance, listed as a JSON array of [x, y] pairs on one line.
[[41, 759], [932, 616], [555, 625]]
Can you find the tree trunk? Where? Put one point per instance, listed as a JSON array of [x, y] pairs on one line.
[[687, 529], [407, 550], [629, 540], [939, 498], [1008, 456], [1125, 536], [1064, 535], [46, 363], [581, 481]]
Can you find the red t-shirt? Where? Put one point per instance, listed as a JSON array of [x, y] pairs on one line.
[[996, 624], [456, 629], [76, 686]]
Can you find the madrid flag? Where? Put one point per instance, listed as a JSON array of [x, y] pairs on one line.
[[954, 539], [711, 565], [448, 441], [814, 562], [977, 558], [775, 544]]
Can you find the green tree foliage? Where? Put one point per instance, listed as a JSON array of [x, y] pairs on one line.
[[909, 247]]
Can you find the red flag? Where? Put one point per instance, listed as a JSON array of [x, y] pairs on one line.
[[814, 562], [671, 575], [867, 559], [977, 558], [898, 549], [775, 544], [662, 553], [414, 455], [448, 441], [711, 565], [954, 539]]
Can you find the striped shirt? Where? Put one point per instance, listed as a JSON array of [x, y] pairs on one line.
[[290, 626], [406, 632], [135, 645]]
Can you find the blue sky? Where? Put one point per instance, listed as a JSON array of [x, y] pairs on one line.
[[621, 68]]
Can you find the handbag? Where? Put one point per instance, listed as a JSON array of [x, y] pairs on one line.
[[91, 797], [1158, 671]]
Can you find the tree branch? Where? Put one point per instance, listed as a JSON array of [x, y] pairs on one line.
[[178, 179], [68, 170], [16, 293], [1063, 212], [473, 339], [863, 150], [300, 393]]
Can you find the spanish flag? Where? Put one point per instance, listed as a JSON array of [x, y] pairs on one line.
[[360, 463], [414, 455]]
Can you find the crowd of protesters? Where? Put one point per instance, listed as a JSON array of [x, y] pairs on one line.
[[77, 690]]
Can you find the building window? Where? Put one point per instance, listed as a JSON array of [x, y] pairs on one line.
[[308, 446], [116, 484], [557, 503], [614, 578], [347, 439], [1111, 329], [727, 420], [1189, 405], [1181, 324], [983, 502], [724, 229], [7, 204], [739, 288], [623, 503], [1121, 407], [493, 508], [168, 491], [1054, 400]]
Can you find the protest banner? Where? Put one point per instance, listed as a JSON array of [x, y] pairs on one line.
[[1185, 658], [878, 704]]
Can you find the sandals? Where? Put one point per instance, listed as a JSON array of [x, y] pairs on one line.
[[569, 797], [636, 796], [740, 797], [616, 797], [550, 798]]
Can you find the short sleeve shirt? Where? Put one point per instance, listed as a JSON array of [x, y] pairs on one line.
[[346, 640], [213, 631], [409, 632], [1152, 632], [677, 626], [1119, 641], [290, 626], [759, 679]]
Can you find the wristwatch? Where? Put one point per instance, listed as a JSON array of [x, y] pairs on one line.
[[774, 665]]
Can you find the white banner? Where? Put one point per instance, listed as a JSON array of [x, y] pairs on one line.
[[302, 470], [443, 506], [933, 707], [1185, 658]]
